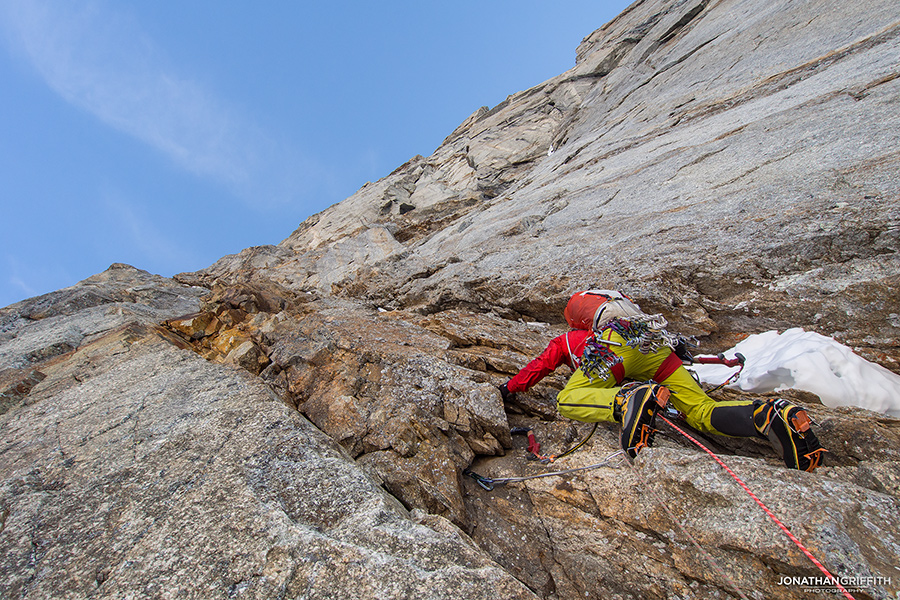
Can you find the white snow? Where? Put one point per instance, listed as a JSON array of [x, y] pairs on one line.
[[804, 360]]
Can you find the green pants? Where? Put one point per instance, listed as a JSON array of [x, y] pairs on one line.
[[592, 401]]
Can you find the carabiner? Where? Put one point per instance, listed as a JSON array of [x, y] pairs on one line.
[[485, 482]]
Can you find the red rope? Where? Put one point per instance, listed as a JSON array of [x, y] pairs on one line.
[[687, 534], [787, 532]]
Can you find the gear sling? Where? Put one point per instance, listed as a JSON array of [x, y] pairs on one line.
[[589, 395]]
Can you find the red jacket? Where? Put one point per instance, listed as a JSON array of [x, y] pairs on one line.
[[566, 348]]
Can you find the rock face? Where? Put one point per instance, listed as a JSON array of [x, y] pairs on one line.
[[135, 468], [733, 164], [295, 420]]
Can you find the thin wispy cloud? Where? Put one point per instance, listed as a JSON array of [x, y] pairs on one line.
[[20, 285], [24, 277], [98, 58], [141, 235]]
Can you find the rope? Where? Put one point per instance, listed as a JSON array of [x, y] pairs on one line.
[[489, 483], [535, 449], [675, 520], [765, 508], [734, 377], [576, 446]]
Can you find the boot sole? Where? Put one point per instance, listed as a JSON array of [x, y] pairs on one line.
[[659, 398]]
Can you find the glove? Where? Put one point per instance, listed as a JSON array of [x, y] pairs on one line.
[[505, 393]]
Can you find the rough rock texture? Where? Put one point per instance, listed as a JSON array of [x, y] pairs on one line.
[[294, 421], [139, 469], [732, 163]]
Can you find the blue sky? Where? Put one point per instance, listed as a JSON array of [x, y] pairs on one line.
[[168, 134]]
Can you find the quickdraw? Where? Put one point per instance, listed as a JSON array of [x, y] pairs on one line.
[[738, 361], [644, 333], [489, 483], [598, 360]]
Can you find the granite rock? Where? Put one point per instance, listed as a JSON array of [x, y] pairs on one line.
[[296, 420]]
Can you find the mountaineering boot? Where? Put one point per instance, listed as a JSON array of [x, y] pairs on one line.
[[786, 426], [637, 404]]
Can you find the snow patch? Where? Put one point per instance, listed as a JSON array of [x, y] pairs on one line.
[[808, 361]]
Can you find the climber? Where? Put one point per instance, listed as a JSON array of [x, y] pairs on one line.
[[568, 348], [564, 349], [628, 370]]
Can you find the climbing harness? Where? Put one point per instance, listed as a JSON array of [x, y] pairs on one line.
[[489, 483], [644, 333], [765, 509]]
